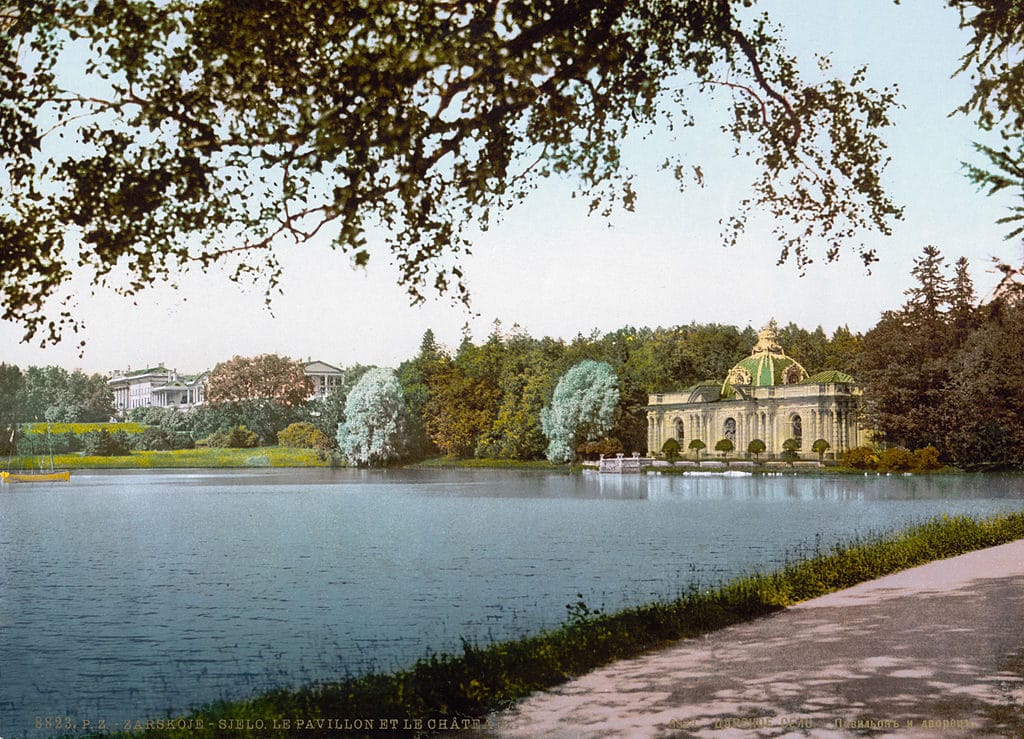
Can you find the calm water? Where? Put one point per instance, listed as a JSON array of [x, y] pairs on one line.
[[128, 596]]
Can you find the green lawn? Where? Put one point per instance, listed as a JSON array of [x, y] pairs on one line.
[[82, 428], [270, 456]]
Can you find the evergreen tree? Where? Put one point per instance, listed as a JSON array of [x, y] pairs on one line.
[[906, 361]]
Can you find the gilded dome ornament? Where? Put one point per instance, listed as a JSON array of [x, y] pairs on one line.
[[767, 364]]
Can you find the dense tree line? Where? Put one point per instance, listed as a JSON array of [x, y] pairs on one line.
[[39, 394], [944, 371], [484, 400], [489, 399], [939, 373]]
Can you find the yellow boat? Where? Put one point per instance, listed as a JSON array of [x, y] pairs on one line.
[[41, 476], [26, 474]]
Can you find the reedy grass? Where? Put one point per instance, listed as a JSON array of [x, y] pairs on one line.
[[486, 678]]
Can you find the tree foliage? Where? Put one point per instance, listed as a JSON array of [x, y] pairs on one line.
[[268, 377], [757, 448], [462, 404], [10, 386], [373, 433], [193, 135], [582, 408], [53, 394], [790, 450], [994, 59], [102, 443], [907, 360]]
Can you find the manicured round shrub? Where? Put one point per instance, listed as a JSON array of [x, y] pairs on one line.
[[671, 449]]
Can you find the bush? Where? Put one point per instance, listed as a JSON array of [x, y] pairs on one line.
[[608, 446], [860, 458], [303, 435], [66, 443], [237, 437], [926, 459], [724, 446], [895, 459], [671, 449], [156, 439], [105, 444]]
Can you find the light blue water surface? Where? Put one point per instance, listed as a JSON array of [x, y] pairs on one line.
[[134, 595]]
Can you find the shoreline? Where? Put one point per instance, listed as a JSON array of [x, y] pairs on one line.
[[483, 679]]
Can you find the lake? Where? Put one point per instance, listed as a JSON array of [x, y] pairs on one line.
[[134, 595]]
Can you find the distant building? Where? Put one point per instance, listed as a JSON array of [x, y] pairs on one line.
[[164, 388], [325, 378], [156, 386], [767, 396]]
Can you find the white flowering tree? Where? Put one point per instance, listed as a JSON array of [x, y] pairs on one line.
[[374, 429], [582, 408]]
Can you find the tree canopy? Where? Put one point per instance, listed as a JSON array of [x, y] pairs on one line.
[[191, 134], [265, 377], [583, 407], [375, 420]]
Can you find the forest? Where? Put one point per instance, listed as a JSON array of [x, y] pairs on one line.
[[943, 370]]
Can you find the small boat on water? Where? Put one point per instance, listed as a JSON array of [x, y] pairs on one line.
[[36, 476], [39, 474]]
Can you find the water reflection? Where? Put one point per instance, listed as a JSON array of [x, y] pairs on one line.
[[782, 486]]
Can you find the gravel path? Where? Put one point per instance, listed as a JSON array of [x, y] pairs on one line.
[[933, 651]]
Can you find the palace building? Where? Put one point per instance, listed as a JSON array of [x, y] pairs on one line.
[[767, 396]]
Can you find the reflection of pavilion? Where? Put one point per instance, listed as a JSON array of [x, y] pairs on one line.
[[767, 396]]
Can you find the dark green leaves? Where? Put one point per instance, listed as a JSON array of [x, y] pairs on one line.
[[175, 134]]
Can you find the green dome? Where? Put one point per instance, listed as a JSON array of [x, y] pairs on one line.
[[767, 365]]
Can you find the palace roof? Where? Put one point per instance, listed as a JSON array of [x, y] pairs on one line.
[[767, 365]]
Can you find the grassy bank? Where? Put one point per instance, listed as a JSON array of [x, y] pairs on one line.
[[270, 456], [496, 464], [464, 687]]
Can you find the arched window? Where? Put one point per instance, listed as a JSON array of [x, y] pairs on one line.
[[798, 429], [679, 430], [729, 429]]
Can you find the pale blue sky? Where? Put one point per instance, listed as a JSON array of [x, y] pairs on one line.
[[555, 271]]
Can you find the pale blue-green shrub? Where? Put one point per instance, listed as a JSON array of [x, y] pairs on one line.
[[373, 433], [582, 408]]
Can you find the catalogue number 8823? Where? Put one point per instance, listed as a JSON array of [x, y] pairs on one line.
[[67, 723]]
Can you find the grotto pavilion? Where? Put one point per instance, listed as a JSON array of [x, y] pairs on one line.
[[767, 396]]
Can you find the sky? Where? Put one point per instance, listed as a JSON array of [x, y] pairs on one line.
[[553, 270]]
